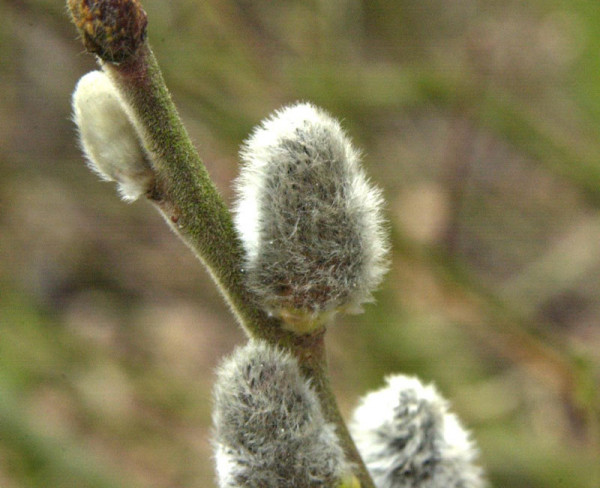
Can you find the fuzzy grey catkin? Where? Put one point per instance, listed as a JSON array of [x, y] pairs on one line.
[[409, 439], [269, 428], [108, 138], [309, 219]]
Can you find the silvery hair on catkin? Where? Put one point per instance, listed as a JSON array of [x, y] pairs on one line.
[[109, 139], [409, 439], [309, 219], [269, 428]]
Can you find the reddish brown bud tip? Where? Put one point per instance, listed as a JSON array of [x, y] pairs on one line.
[[112, 29]]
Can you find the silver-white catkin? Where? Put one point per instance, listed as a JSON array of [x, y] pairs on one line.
[[409, 439], [108, 138], [309, 219], [269, 428]]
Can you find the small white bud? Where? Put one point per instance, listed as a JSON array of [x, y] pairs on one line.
[[269, 428], [309, 219], [408, 438], [109, 140]]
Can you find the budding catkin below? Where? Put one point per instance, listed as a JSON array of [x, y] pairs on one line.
[[308, 218], [109, 140], [269, 427], [408, 439]]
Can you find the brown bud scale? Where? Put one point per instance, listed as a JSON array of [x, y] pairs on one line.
[[112, 29]]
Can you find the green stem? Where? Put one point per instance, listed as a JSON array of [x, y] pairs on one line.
[[310, 351], [183, 190]]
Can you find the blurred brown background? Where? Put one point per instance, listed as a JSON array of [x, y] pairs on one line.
[[480, 120]]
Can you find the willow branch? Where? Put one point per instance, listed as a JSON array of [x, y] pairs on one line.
[[115, 31]]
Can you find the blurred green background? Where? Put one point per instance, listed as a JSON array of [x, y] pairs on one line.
[[479, 119]]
